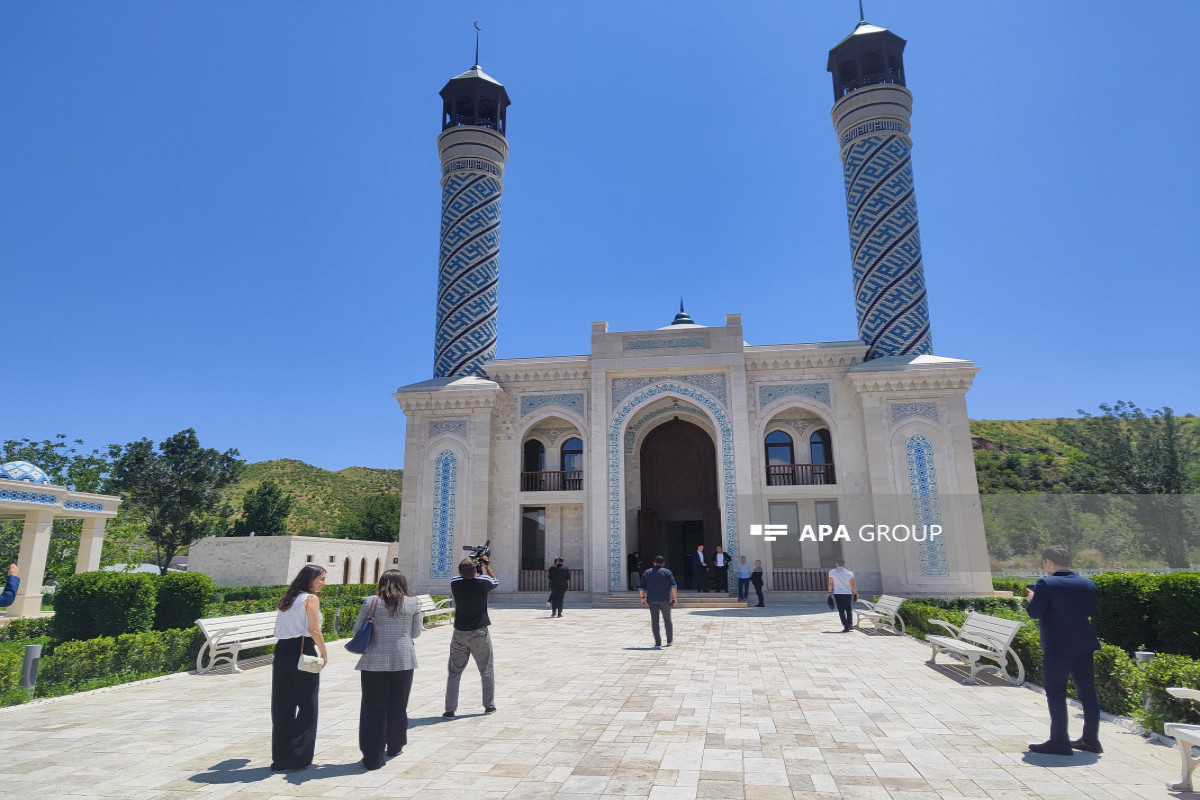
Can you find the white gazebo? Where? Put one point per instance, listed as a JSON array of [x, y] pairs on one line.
[[26, 494]]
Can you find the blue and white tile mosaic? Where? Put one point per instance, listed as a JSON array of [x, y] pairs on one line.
[[616, 559], [448, 427], [885, 240], [665, 342], [927, 508], [468, 274], [631, 433], [23, 471], [83, 505], [905, 410], [536, 402], [445, 486], [771, 392], [711, 383], [28, 497]]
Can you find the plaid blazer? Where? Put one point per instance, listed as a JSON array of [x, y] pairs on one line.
[[392, 642]]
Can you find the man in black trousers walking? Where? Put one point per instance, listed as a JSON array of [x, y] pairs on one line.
[[1061, 602], [660, 594], [558, 576]]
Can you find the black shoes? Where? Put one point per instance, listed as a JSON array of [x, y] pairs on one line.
[[448, 714], [759, 605], [489, 710], [1090, 747], [394, 753], [1052, 749]]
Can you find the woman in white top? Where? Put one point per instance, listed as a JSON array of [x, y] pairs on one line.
[[293, 692]]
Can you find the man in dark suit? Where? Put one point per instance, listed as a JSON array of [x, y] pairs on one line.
[[1061, 602], [700, 567], [558, 576], [659, 594]]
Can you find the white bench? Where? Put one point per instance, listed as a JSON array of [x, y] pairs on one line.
[[981, 636], [434, 608], [883, 613], [228, 636], [1186, 736]]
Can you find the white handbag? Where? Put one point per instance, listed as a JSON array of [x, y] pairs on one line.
[[309, 663]]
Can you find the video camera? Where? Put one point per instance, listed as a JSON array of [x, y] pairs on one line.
[[477, 552]]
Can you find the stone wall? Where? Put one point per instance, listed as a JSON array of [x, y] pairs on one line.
[[275, 560]]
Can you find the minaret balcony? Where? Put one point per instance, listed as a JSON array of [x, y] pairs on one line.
[[563, 481], [800, 475]]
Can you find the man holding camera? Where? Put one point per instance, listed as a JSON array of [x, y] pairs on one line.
[[471, 639]]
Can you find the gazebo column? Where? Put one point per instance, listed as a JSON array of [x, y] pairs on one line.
[[91, 541], [35, 543]]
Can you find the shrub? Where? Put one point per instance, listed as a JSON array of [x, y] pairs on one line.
[[230, 594], [1174, 611], [917, 613], [12, 657], [1122, 615], [94, 604], [105, 660], [1164, 671], [182, 597], [1014, 585], [26, 628], [1027, 644], [230, 609], [1118, 681]]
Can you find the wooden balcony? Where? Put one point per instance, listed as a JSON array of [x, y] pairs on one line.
[[535, 580], [800, 580], [568, 481], [800, 475]]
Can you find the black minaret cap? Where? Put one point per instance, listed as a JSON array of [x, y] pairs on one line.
[[870, 55], [474, 98]]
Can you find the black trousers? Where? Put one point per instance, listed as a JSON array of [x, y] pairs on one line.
[[757, 588], [556, 600], [293, 706], [663, 608], [1081, 669], [722, 578], [383, 714], [845, 611]]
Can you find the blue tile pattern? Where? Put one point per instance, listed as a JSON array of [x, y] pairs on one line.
[[445, 478], [449, 427], [885, 243], [28, 497], [616, 558], [468, 274], [23, 471], [666, 342], [711, 383], [535, 402], [927, 508], [83, 505], [631, 432], [771, 392], [905, 410], [552, 435]]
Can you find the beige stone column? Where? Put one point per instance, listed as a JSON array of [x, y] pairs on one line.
[[35, 543], [91, 541]]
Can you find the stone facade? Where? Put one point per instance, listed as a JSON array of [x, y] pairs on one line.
[[275, 560]]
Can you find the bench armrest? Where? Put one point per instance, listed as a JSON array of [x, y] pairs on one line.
[[444, 603], [870, 606], [1184, 694], [953, 630]]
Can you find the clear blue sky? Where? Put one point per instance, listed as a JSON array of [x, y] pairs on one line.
[[225, 215]]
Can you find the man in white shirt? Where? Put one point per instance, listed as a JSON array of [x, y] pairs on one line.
[[721, 562], [844, 592]]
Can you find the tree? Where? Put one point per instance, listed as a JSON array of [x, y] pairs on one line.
[[1146, 456], [264, 511], [177, 489], [375, 517]]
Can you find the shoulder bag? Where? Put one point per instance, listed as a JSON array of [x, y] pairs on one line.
[[362, 639], [309, 663]]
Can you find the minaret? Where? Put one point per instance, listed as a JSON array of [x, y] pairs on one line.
[[871, 113], [473, 151]]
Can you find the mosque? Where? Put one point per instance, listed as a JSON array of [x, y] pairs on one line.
[[663, 439]]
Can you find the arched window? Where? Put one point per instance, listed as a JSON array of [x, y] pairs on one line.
[[377, 565], [781, 456], [362, 570], [346, 570], [572, 463], [535, 456], [820, 448]]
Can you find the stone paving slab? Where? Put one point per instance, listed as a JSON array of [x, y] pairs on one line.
[[760, 704]]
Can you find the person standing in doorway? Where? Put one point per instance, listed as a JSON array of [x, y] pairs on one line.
[[558, 576], [721, 568], [660, 594], [844, 592], [700, 564], [633, 568], [756, 580], [1062, 602], [743, 573]]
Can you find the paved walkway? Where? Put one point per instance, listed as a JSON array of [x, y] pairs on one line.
[[760, 704]]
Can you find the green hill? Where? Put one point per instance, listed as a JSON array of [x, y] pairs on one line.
[[321, 496]]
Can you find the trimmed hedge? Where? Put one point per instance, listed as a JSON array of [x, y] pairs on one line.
[[26, 628], [1122, 615], [182, 597], [102, 603], [1174, 613], [106, 660], [1118, 681], [1014, 585], [1170, 670]]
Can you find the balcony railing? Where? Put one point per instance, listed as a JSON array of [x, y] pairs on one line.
[[800, 580], [535, 580], [800, 474], [568, 481]]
